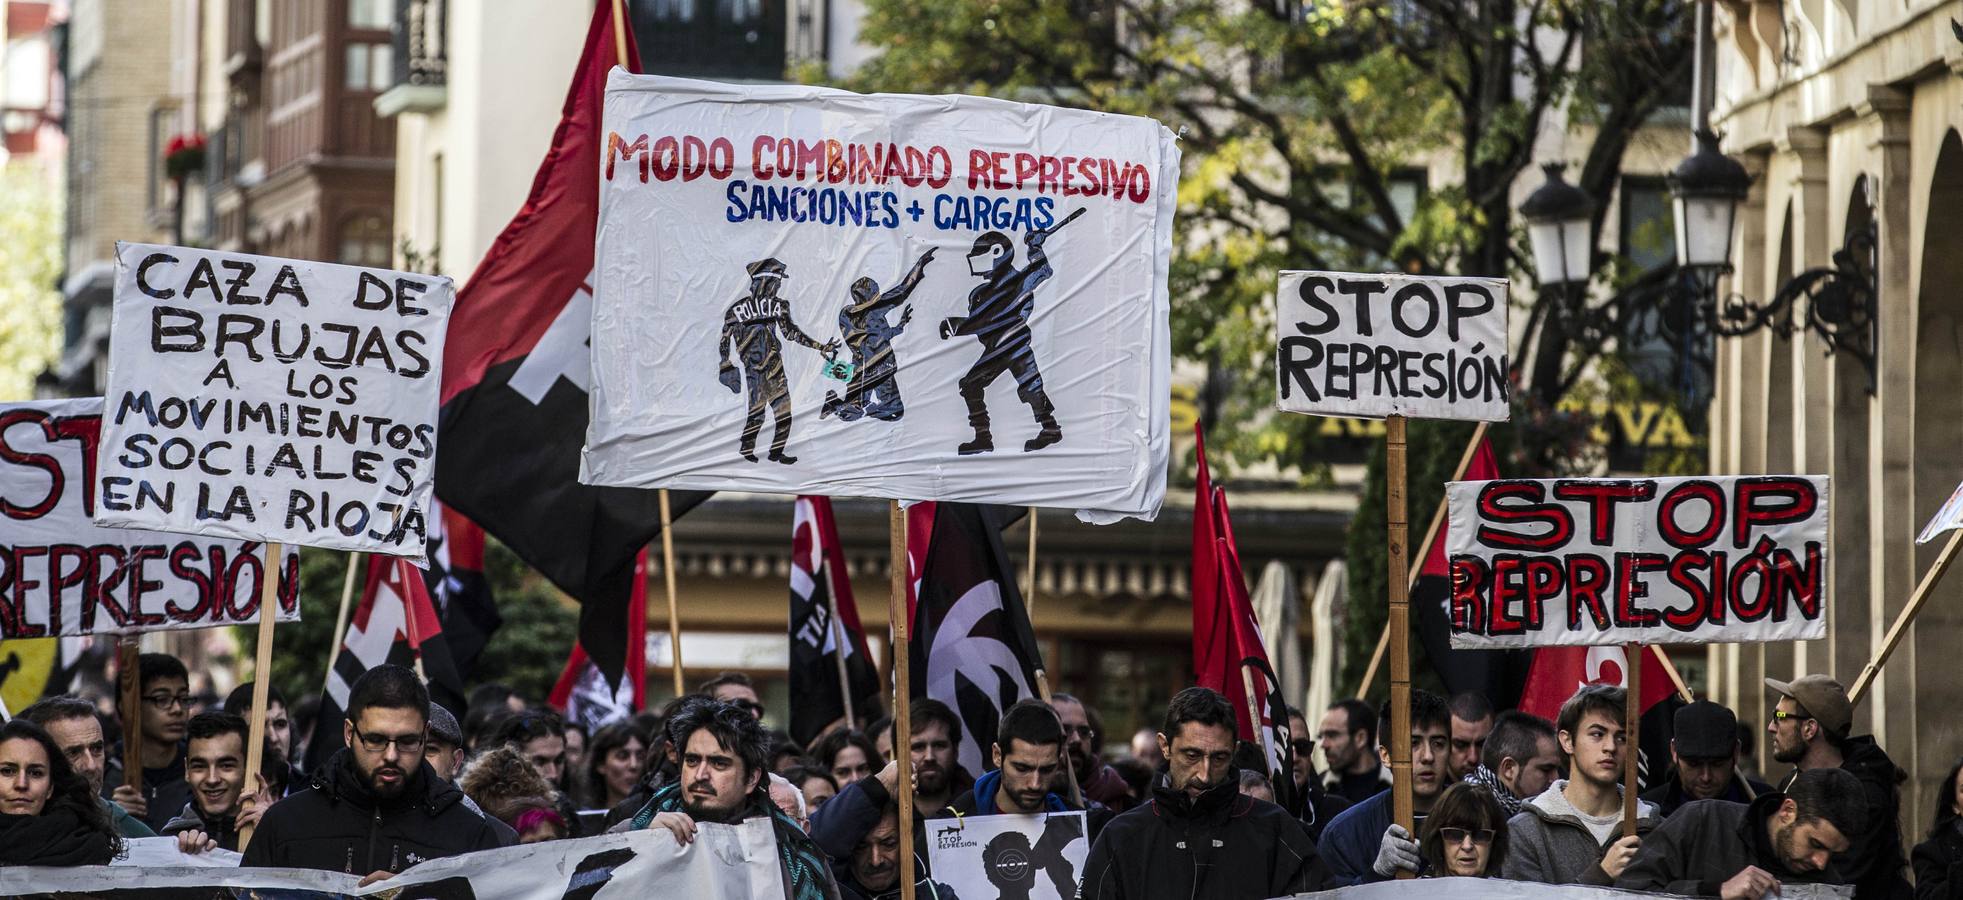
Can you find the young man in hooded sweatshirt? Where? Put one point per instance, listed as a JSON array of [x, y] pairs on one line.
[[1572, 832]]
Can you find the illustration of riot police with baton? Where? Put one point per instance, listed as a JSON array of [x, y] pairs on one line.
[[751, 323]]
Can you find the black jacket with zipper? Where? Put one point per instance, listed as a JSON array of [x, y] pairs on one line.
[[1221, 845], [339, 825]]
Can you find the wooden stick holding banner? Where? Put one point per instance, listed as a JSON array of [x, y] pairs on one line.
[[1670, 669], [1424, 552], [1923, 590], [1632, 725], [1029, 592], [896, 609], [840, 641], [341, 617], [129, 680], [1069, 774], [1402, 809], [262, 673], [668, 572]]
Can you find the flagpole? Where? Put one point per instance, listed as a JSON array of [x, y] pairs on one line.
[[668, 568], [896, 611], [262, 670], [839, 639], [1923, 592], [409, 618], [1632, 723], [341, 618], [1399, 739], [130, 682], [1029, 593], [1670, 669], [1424, 553]]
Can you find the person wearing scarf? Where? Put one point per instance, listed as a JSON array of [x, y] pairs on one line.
[[48, 814]]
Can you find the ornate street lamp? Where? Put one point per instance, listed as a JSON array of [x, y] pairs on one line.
[[1559, 216]]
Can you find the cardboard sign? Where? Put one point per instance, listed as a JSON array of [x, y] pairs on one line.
[[271, 399], [1382, 345], [807, 291], [1589, 561], [62, 575], [1040, 857]]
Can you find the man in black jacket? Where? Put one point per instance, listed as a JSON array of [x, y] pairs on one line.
[[1810, 729], [374, 808], [1717, 848], [1198, 836], [214, 765], [1704, 752]]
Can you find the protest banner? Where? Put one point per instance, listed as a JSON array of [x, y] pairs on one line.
[[61, 575], [271, 399], [1391, 345], [1009, 857], [1592, 561], [1501, 889], [729, 862], [763, 250]]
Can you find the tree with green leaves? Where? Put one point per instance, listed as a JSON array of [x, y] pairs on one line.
[[30, 266]]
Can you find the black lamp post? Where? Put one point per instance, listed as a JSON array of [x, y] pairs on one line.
[[1559, 216]]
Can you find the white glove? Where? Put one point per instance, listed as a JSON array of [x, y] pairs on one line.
[[1396, 851]]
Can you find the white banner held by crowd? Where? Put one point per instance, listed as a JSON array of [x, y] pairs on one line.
[[1381, 345], [271, 399], [62, 575], [1593, 561], [1040, 857], [803, 290], [725, 862]]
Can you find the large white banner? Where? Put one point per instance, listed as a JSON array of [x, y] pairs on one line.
[[1039, 857], [1350, 344], [271, 399], [725, 862], [1501, 889], [803, 290], [1591, 561], [63, 575]]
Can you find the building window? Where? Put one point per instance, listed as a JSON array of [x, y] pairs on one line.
[[1648, 231], [369, 67], [370, 14], [365, 241]]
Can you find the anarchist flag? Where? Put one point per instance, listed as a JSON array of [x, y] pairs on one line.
[[972, 647], [1229, 653], [515, 382], [458, 586], [394, 623], [588, 697], [819, 583], [1499, 675]]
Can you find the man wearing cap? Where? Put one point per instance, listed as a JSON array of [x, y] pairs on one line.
[[1705, 752], [1809, 729], [443, 751], [752, 323]]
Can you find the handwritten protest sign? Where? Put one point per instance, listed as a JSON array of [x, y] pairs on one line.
[[1651, 560], [62, 575], [271, 399], [1384, 345], [807, 291], [1039, 857]]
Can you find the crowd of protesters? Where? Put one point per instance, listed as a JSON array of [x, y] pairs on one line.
[[1189, 812]]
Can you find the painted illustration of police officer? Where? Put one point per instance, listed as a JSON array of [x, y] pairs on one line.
[[752, 323], [874, 388], [998, 316]]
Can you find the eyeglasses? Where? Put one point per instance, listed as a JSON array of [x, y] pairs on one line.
[[1781, 715], [1083, 731], [1303, 747], [166, 701], [409, 744], [1456, 836]]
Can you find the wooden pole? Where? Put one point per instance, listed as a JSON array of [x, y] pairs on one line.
[[1923, 590], [1432, 532], [262, 671], [129, 681], [620, 26], [341, 618], [668, 564], [1632, 725], [840, 640], [1029, 593], [1670, 669], [1399, 739], [896, 610], [1069, 774]]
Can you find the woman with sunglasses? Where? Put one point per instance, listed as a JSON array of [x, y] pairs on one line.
[[1465, 834]]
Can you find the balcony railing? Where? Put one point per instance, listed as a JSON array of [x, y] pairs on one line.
[[419, 50]]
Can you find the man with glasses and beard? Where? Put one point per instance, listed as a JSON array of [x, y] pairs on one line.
[[1717, 848], [374, 808], [724, 754], [1099, 782]]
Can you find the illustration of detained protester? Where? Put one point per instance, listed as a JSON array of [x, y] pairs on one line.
[[998, 316], [872, 388], [751, 324]]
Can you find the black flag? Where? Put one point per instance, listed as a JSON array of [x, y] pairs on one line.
[[458, 586], [818, 584], [395, 623], [972, 647]]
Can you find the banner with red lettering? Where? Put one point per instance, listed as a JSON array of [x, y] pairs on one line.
[[1592, 561], [802, 290], [62, 575]]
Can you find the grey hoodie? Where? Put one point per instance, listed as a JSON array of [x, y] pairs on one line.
[[1550, 844]]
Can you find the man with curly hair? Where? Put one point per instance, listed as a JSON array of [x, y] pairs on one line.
[[724, 754]]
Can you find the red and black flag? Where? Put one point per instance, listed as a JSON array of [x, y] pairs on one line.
[[820, 585], [1229, 653], [590, 698], [395, 623], [1498, 675], [515, 382], [458, 586], [972, 646]]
